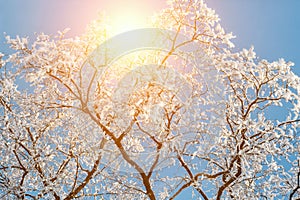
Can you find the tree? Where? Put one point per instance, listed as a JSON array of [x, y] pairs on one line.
[[80, 123]]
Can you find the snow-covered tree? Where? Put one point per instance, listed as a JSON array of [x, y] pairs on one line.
[[195, 115]]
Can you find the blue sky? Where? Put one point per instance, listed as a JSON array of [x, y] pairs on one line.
[[272, 26]]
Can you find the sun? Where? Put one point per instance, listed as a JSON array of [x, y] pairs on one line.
[[126, 15], [126, 20]]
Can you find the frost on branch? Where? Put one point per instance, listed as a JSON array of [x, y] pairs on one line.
[[156, 122]]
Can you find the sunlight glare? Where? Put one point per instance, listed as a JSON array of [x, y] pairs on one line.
[[123, 21]]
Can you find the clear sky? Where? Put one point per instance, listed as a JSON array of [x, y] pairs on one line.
[[272, 26]]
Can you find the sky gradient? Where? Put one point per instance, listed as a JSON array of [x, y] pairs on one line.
[[272, 26]]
